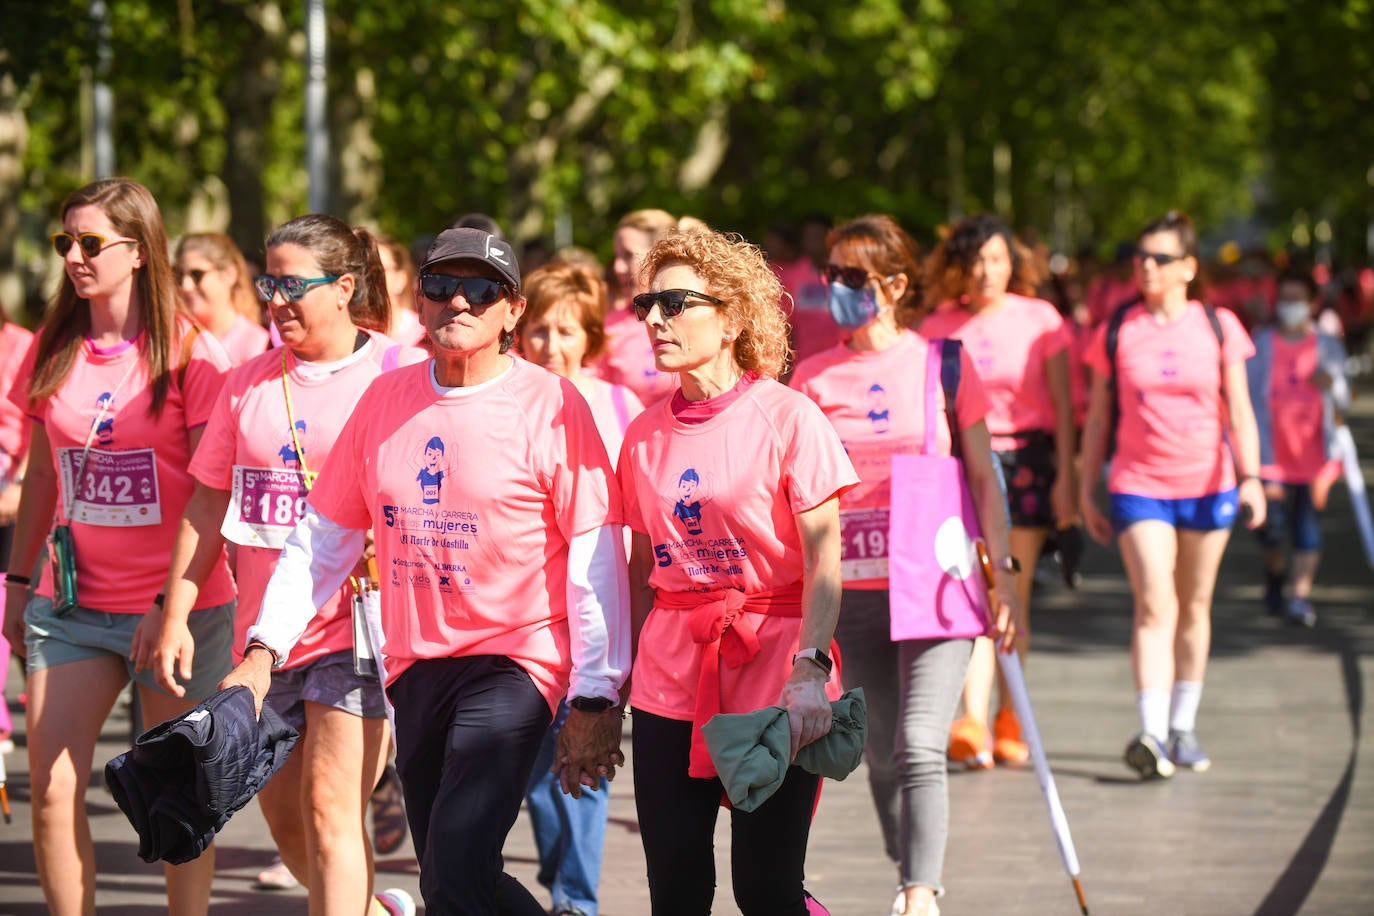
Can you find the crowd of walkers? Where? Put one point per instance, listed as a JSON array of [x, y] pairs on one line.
[[652, 493]]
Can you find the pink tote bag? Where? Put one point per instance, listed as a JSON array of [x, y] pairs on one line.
[[935, 584]]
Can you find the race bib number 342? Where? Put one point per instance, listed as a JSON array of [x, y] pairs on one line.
[[116, 489]]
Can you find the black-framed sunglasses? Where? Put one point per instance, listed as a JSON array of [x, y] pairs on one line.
[[91, 243], [476, 290], [291, 288], [852, 277], [195, 275], [1160, 258], [670, 302]]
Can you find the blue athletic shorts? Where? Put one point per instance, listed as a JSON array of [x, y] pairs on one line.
[[1198, 513]]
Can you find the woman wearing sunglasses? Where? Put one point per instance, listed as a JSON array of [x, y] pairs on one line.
[[980, 291], [871, 389], [562, 330], [731, 489], [216, 289], [628, 360], [503, 590], [120, 388], [270, 433], [1172, 396]]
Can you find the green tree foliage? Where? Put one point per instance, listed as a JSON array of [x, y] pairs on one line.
[[1080, 119]]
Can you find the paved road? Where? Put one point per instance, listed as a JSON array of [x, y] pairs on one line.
[[1283, 823]]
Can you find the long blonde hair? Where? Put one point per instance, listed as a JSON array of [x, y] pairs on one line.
[[133, 213]]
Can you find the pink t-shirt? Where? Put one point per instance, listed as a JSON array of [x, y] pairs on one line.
[[629, 358], [875, 399], [718, 500], [1295, 411], [134, 483], [613, 407], [813, 330], [473, 495], [249, 450], [14, 435], [1170, 442], [244, 340], [1009, 345]]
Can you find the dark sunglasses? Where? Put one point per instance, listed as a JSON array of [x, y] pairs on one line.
[[852, 277], [476, 290], [195, 275], [291, 288], [1160, 259], [670, 302], [91, 244]]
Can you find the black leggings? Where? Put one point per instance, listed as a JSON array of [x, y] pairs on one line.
[[677, 822], [467, 732]]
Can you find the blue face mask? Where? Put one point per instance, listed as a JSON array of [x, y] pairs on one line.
[[850, 307]]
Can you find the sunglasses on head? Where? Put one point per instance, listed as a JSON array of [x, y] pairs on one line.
[[91, 244], [476, 290], [195, 275], [670, 302], [291, 288], [1160, 259], [853, 277]]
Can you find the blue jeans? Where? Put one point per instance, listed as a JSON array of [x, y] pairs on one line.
[[568, 831]]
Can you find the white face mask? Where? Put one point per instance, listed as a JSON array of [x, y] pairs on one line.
[[1292, 313]]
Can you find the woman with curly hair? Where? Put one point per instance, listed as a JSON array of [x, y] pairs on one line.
[[731, 488], [871, 387], [215, 287], [980, 288]]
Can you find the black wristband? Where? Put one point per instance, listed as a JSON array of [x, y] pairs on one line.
[[159, 599], [18, 580]]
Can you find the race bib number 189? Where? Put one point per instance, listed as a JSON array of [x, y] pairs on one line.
[[264, 506]]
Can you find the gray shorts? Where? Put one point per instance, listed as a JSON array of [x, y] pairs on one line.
[[83, 634], [329, 681]]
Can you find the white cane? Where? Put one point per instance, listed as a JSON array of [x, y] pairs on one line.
[[1354, 481], [1010, 663]]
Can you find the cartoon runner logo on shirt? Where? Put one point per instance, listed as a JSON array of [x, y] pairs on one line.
[[431, 476], [687, 509], [878, 413], [290, 458], [104, 431]]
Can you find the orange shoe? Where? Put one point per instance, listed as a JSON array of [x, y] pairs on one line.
[[970, 743], [1007, 747]]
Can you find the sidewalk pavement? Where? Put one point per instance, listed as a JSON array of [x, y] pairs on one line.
[[1283, 823]]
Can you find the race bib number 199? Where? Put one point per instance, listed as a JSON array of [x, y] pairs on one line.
[[264, 506]]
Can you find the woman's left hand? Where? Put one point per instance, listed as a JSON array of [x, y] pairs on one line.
[[808, 708], [1252, 495], [1008, 616]]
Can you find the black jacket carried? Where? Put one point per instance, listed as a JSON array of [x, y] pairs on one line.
[[183, 779]]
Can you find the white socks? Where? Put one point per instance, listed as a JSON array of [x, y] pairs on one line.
[[1183, 709], [1154, 713]]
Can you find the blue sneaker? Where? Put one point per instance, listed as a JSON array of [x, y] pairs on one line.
[[1185, 751], [1300, 613], [1146, 757]]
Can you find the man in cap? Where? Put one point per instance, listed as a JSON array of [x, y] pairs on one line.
[[497, 600]]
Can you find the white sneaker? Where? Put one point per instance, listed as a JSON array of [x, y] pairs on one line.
[[899, 905], [396, 902]]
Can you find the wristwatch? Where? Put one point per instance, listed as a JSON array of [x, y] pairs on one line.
[[590, 704], [1008, 564], [817, 656]]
